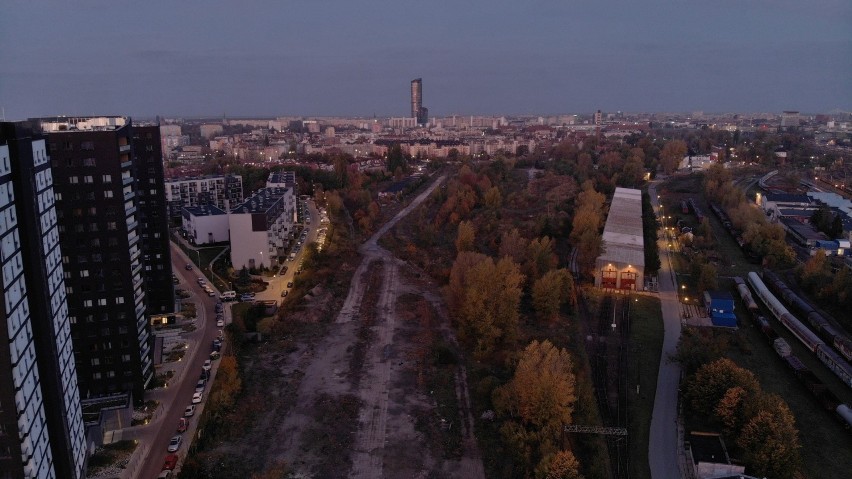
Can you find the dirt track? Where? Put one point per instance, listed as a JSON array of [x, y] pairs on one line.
[[367, 358]]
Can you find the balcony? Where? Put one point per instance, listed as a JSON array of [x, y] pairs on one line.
[[124, 148]]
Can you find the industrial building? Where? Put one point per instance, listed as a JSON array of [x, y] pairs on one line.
[[622, 263]]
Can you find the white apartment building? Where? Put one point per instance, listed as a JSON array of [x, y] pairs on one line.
[[205, 224], [262, 227], [221, 191]]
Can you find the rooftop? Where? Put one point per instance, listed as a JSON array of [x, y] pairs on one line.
[[203, 210], [262, 201], [88, 123], [622, 236]]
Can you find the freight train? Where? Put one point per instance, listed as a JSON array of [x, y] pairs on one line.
[[835, 362], [745, 294], [821, 324]]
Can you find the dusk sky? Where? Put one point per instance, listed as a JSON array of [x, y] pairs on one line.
[[329, 57]]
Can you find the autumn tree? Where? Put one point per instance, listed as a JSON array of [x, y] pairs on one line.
[[513, 245], [486, 296], [698, 347], [540, 258], [712, 381], [465, 237], [586, 226], [539, 399], [707, 277], [771, 444], [228, 383], [551, 291], [493, 199], [672, 154], [562, 465]]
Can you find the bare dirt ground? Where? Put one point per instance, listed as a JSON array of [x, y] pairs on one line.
[[369, 401]]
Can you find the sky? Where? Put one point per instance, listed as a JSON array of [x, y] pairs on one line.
[[357, 58]]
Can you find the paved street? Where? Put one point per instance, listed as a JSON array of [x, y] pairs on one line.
[[154, 437], [663, 452]]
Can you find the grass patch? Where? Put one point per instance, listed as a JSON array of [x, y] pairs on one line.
[[646, 342], [116, 454], [332, 434], [441, 425]]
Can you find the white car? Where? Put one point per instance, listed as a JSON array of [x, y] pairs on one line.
[[196, 397], [220, 323], [174, 444], [206, 365], [189, 411]]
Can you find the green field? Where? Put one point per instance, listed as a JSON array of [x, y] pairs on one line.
[[646, 342]]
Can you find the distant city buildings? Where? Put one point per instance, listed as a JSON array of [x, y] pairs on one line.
[[42, 432]]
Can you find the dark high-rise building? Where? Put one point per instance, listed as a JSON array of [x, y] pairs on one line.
[[417, 109], [153, 219], [41, 422], [99, 212]]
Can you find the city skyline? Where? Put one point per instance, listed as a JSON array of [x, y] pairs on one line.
[[339, 59]]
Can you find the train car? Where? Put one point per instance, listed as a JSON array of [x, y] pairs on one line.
[[845, 413], [844, 347], [745, 294], [836, 363]]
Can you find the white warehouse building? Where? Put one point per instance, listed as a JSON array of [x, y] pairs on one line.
[[622, 263], [262, 227], [205, 224]]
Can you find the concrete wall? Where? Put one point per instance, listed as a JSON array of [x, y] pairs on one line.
[[248, 248], [207, 229]]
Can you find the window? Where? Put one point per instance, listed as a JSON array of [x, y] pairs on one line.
[[72, 319], [96, 375], [102, 302], [93, 211], [89, 162], [73, 180], [88, 179], [108, 194], [119, 300], [96, 362], [125, 358], [106, 178], [87, 303], [87, 145], [57, 195], [84, 273], [111, 225], [69, 290]]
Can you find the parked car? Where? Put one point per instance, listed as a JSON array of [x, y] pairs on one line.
[[170, 462], [211, 293], [165, 475], [188, 267], [175, 443], [285, 293], [206, 365], [199, 386], [221, 336], [219, 307], [189, 411], [220, 323], [244, 298], [197, 397], [217, 345], [290, 284], [215, 355]]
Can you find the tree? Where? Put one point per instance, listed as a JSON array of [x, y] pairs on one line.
[[562, 465], [698, 347], [585, 231], [513, 245], [540, 396], [493, 199], [672, 154], [465, 237], [709, 384], [540, 258], [731, 409], [551, 291], [707, 277], [771, 444]]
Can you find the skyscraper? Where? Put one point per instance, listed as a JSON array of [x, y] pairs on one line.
[[99, 214], [153, 219], [41, 423], [417, 110]]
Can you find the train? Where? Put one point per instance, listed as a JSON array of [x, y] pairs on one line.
[[745, 294], [821, 324], [831, 359]]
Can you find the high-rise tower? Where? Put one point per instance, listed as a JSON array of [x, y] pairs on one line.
[[41, 422], [99, 212], [418, 112]]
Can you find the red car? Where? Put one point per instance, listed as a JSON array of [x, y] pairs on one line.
[[182, 424], [171, 462]]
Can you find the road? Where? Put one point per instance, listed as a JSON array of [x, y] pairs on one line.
[[154, 437], [664, 447], [279, 282]]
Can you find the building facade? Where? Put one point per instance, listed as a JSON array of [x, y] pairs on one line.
[[622, 264], [42, 434], [224, 192], [153, 219], [205, 224], [261, 228], [418, 112], [102, 252]]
